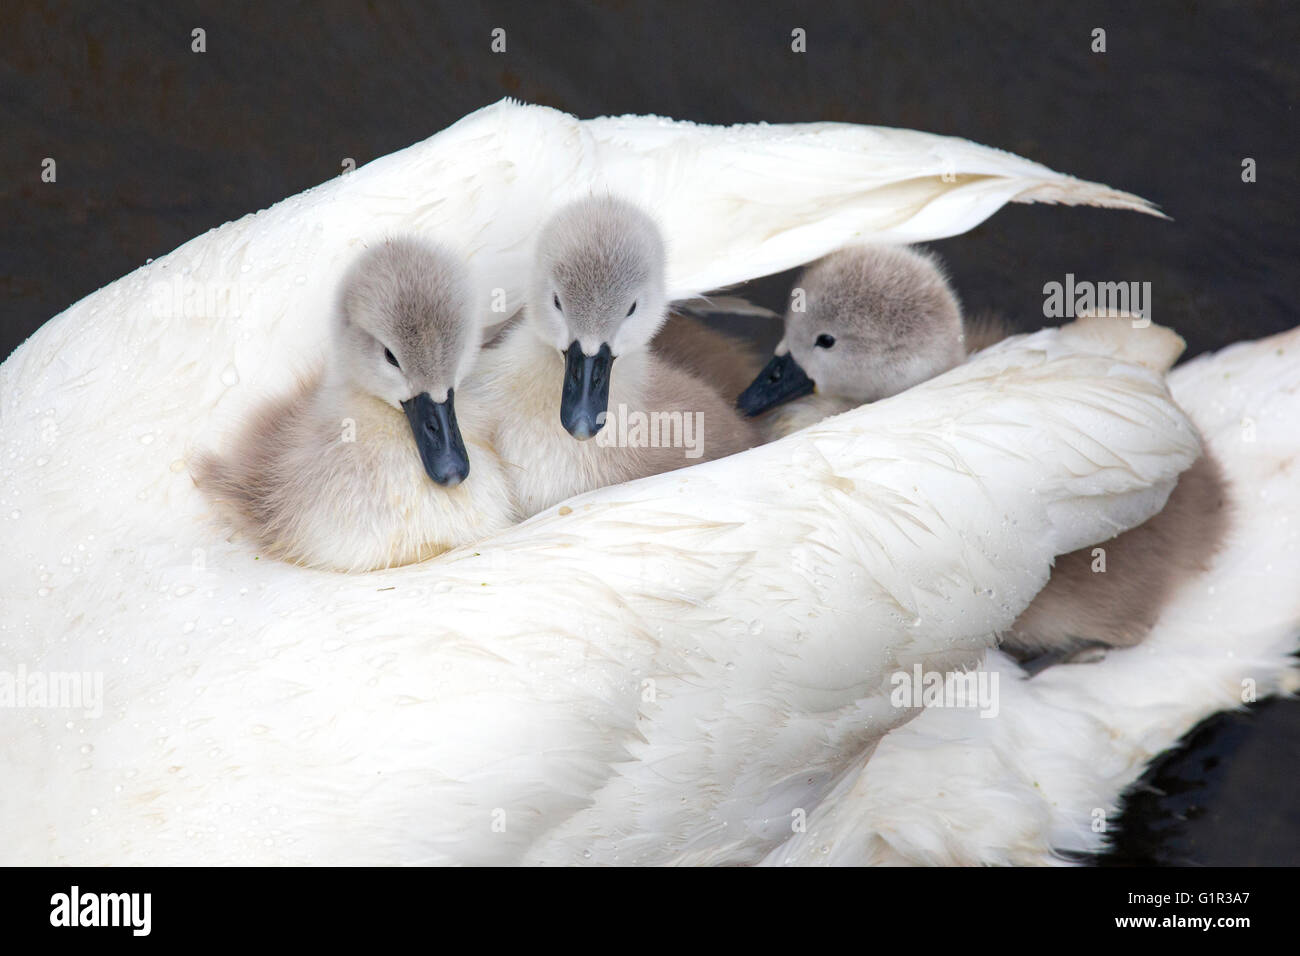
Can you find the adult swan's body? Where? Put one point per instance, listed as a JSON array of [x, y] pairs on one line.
[[659, 671]]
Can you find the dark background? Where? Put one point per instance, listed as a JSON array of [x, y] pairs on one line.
[[155, 144]]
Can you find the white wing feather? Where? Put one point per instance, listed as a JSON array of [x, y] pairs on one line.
[[780, 196], [952, 788]]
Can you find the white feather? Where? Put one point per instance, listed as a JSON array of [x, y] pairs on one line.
[[952, 788]]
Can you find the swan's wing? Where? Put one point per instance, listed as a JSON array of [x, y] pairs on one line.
[[237, 693], [744, 201], [1047, 773], [248, 300], [665, 670]]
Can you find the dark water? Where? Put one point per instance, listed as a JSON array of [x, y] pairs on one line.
[[155, 144]]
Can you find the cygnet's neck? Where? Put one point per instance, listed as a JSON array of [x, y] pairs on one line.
[[337, 396]]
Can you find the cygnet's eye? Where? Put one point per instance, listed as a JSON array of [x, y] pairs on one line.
[[825, 340], [555, 297], [631, 310], [392, 359]]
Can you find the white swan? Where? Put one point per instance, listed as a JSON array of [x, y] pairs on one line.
[[642, 673], [1046, 776]]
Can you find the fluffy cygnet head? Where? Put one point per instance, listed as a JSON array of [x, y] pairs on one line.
[[597, 293], [863, 323], [405, 333]]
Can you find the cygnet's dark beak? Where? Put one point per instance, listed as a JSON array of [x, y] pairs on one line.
[[585, 398], [437, 435], [781, 381]]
